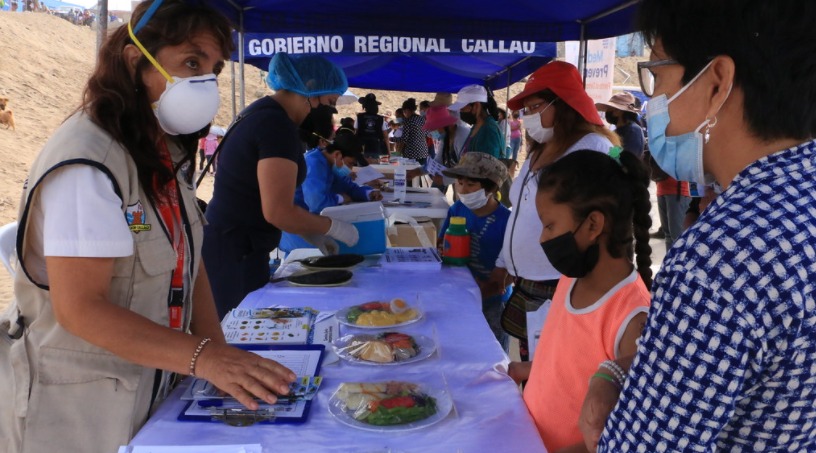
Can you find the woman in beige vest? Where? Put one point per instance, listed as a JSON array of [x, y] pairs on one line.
[[111, 295]]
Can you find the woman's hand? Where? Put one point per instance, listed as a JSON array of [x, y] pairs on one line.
[[375, 195], [519, 371], [598, 404], [243, 375]]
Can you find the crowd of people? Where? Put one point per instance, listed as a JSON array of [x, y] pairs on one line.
[[77, 16], [122, 279]]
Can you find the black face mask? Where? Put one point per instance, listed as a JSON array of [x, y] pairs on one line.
[[611, 117], [318, 121], [468, 117], [566, 258]]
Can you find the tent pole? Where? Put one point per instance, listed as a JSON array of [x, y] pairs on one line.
[[582, 54], [232, 92], [241, 58]]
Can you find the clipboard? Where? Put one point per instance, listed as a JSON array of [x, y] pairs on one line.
[[304, 360]]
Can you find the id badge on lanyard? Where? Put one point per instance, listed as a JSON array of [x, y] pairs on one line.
[[170, 213]]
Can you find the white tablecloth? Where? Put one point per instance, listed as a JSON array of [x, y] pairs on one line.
[[489, 414]]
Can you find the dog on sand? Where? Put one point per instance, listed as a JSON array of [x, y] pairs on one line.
[[7, 119]]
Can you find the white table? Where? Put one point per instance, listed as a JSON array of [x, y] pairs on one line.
[[489, 413]]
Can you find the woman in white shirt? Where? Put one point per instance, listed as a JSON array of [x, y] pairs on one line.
[[560, 118]]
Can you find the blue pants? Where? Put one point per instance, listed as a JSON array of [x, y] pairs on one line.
[[672, 210]]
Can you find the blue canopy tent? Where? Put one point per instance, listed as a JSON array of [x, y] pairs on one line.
[[538, 21], [444, 62]]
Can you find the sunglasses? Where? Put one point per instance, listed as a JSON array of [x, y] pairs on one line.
[[647, 76]]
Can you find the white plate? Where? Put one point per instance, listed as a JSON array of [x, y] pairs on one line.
[[342, 318], [444, 404], [425, 344]]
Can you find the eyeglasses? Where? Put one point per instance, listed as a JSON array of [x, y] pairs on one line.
[[331, 142], [533, 108], [647, 76]]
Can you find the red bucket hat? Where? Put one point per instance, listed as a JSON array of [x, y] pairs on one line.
[[437, 117], [562, 79]]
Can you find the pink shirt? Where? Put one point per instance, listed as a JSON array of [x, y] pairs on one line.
[[515, 129], [572, 344]]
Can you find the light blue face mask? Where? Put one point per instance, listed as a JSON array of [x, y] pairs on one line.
[[438, 136], [680, 156], [342, 171]]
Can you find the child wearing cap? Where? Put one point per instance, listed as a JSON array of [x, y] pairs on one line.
[[478, 178]]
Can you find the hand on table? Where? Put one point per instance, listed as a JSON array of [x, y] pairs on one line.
[[375, 195], [413, 173], [598, 404], [346, 198], [243, 375]]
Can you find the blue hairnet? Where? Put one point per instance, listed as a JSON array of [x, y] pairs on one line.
[[307, 75]]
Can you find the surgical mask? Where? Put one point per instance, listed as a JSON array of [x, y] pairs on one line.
[[474, 200], [188, 104], [563, 253], [680, 156], [438, 136], [341, 171], [532, 123]]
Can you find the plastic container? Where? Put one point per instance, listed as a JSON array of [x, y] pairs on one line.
[[400, 182], [369, 218], [456, 246]]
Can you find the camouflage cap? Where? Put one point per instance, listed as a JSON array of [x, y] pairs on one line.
[[476, 165]]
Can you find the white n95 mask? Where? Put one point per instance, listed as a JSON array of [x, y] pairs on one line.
[[188, 104]]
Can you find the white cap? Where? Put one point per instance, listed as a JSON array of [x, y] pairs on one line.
[[469, 95]]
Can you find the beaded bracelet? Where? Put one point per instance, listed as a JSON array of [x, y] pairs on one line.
[[616, 370], [197, 352], [607, 378]]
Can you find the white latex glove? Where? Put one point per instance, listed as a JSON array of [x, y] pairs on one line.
[[327, 245], [344, 232]]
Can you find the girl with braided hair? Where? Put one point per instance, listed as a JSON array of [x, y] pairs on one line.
[[594, 209]]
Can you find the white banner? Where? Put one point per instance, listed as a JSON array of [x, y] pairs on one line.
[[600, 66]]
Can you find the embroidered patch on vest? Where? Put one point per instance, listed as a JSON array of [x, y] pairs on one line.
[[135, 216]]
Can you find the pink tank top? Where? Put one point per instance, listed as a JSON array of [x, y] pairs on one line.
[[572, 344]]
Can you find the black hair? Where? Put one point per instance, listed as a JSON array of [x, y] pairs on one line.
[[347, 122], [487, 184], [425, 104], [501, 111], [772, 44], [589, 181]]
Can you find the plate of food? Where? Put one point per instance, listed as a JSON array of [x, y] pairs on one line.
[[321, 278], [378, 315], [388, 348], [389, 406], [342, 261]]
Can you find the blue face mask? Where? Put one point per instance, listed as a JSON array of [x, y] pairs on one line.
[[438, 136], [680, 156], [341, 171]]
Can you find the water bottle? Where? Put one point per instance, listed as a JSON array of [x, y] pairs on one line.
[[399, 183], [456, 245]]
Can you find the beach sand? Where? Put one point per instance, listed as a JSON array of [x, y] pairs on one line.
[[44, 64]]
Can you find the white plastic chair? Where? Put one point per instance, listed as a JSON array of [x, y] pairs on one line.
[[8, 245]]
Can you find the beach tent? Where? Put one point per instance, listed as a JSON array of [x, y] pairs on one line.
[[536, 21]]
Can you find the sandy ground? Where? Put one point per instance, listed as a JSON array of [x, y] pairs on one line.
[[44, 63]]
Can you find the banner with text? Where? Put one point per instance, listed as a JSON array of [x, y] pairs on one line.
[[600, 66], [265, 45]]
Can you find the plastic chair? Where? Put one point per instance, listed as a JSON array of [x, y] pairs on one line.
[[8, 244]]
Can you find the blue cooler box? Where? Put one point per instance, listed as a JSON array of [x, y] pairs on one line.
[[369, 218]]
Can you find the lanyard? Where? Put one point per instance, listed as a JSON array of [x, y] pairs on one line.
[[170, 213]]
